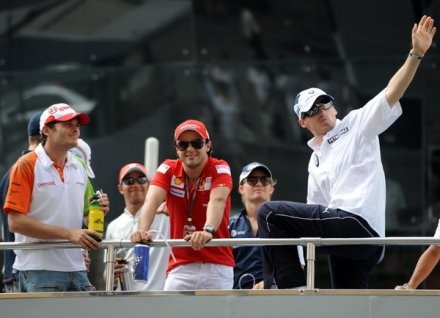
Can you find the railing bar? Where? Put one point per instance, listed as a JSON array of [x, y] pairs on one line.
[[242, 242]]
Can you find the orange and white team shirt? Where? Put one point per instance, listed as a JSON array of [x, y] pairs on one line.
[[43, 193]]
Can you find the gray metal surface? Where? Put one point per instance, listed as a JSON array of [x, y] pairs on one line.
[[224, 304]]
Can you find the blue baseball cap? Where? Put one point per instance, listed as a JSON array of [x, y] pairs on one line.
[[34, 124]]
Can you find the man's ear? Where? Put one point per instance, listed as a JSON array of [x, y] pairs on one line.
[[120, 189], [301, 123], [240, 188], [44, 130]]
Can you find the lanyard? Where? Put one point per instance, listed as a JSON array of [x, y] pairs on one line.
[[193, 197]]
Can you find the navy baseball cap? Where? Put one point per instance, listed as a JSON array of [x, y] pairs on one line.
[[34, 124], [247, 170]]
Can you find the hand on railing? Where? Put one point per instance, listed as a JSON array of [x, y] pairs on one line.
[[259, 285], [88, 239], [403, 287], [140, 236]]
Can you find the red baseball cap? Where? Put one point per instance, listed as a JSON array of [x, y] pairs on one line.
[[193, 125], [62, 112], [130, 167]]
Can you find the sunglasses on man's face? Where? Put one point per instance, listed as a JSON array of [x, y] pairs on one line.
[[252, 181], [184, 144], [130, 181], [315, 109]]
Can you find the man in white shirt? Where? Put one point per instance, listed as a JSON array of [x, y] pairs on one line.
[[133, 185], [346, 185]]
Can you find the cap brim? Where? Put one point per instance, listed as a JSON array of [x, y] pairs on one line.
[[196, 131], [83, 119], [246, 174], [328, 98], [133, 169]]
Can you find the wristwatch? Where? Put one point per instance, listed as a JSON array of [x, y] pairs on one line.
[[209, 229]]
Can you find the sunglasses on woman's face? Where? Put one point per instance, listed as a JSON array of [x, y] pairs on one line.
[[130, 181], [184, 144]]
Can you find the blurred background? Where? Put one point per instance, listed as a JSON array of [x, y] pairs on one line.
[[140, 67]]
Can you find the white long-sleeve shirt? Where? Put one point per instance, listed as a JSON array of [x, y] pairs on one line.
[[345, 170]]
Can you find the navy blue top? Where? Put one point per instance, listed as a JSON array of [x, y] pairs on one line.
[[248, 259], [9, 255]]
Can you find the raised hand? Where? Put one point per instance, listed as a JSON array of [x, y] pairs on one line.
[[422, 34]]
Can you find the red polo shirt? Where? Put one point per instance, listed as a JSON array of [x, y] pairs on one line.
[[171, 177]]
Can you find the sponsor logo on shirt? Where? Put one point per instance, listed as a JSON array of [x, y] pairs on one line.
[[177, 192], [234, 233], [163, 168], [177, 182], [223, 169], [45, 184], [339, 134], [205, 184]]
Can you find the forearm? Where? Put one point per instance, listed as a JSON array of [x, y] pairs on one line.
[[424, 267], [155, 197], [400, 82], [146, 217], [20, 223], [214, 212]]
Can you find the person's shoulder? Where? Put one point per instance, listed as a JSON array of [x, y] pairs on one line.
[[220, 166], [111, 227], [168, 164], [218, 161], [28, 160], [233, 219], [81, 161]]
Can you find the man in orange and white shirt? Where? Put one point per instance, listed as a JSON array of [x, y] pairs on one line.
[[45, 202]]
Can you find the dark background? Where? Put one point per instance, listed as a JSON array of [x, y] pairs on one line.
[[140, 67]]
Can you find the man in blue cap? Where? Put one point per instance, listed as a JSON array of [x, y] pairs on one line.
[[9, 275]]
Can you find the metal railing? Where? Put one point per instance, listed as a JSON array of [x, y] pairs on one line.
[[310, 242]]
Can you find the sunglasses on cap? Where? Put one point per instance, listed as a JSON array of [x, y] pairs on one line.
[[184, 144], [130, 181], [252, 181], [315, 109]]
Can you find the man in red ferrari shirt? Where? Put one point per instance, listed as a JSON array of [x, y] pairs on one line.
[[197, 190]]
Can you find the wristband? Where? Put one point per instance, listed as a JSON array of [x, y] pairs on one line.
[[415, 56]]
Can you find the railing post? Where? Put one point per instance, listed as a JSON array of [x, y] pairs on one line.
[[311, 265], [109, 267]]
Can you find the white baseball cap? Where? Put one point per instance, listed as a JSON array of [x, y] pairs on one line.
[[61, 112], [306, 99]]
